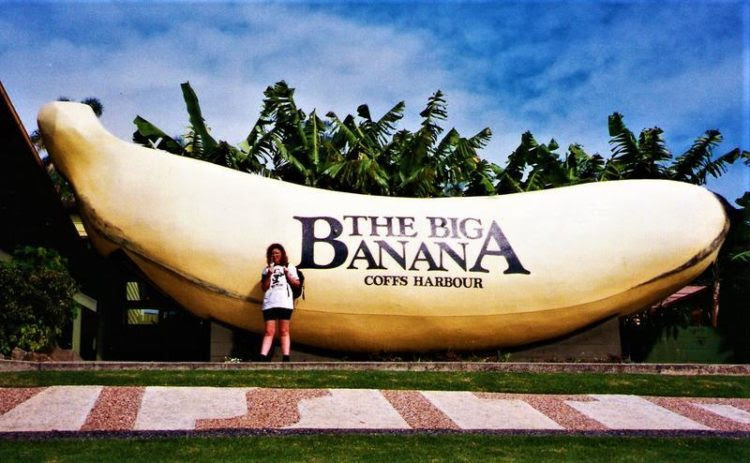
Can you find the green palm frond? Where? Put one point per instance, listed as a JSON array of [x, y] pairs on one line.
[[202, 139], [429, 131], [447, 145], [279, 104], [481, 182], [469, 147], [520, 158], [695, 164], [147, 134], [435, 111], [377, 132], [343, 135], [653, 154], [361, 175], [587, 168], [419, 183], [624, 145], [535, 181], [507, 183]]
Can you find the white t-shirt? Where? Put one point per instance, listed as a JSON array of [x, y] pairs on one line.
[[279, 294]]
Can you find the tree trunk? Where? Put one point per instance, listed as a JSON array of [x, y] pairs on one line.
[[715, 296]]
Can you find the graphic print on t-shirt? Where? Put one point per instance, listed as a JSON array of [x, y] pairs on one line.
[[278, 272]]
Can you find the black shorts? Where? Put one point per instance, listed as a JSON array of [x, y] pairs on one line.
[[277, 313]]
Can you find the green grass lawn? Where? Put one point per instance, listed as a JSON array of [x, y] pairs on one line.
[[550, 383], [378, 448]]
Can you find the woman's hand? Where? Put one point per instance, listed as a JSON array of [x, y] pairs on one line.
[[265, 282]]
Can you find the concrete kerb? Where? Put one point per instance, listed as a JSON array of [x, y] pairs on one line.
[[506, 367]]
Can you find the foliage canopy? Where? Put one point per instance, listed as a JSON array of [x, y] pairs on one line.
[[362, 154], [36, 300]]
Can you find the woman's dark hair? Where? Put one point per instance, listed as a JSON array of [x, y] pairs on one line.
[[284, 258]]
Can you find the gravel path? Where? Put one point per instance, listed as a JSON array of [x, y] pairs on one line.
[[418, 412], [555, 407], [115, 409], [12, 397], [266, 408], [96, 410], [696, 411]]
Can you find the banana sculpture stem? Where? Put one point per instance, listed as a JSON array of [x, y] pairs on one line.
[[386, 274]]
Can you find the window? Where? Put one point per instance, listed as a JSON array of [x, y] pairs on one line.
[[139, 308]]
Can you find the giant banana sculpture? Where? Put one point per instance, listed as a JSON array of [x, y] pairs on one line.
[[386, 273]]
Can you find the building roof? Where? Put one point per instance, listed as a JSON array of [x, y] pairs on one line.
[[31, 212], [682, 294]]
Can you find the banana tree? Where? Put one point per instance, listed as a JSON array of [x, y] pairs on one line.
[[198, 142], [481, 179], [534, 166], [416, 168], [301, 150], [648, 157], [641, 158], [374, 159], [698, 162], [357, 167], [422, 164]]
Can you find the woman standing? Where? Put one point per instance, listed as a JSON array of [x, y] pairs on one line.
[[277, 281]]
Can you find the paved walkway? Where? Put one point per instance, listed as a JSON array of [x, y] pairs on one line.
[[147, 409]]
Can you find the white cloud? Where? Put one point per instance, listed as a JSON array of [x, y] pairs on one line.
[[335, 65], [561, 83]]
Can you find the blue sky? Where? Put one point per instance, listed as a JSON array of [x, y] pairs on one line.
[[556, 68]]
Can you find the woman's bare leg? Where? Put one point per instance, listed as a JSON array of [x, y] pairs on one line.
[[268, 337], [286, 340]]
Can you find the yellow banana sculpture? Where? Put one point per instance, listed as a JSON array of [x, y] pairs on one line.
[[386, 274]]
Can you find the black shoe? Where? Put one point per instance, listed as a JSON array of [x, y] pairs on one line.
[[285, 359], [264, 358]]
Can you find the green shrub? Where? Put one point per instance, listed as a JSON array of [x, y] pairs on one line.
[[36, 299]]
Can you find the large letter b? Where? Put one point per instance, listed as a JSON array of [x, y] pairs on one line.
[[340, 252]]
